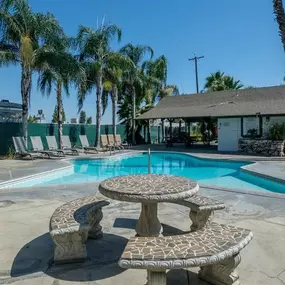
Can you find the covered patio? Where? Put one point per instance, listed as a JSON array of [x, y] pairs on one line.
[[236, 111]]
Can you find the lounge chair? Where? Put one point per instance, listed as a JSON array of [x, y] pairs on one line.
[[118, 140], [67, 145], [105, 144], [85, 144], [113, 143], [21, 149], [53, 146], [38, 147]]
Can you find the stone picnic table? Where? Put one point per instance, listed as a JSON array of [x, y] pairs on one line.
[[149, 190]]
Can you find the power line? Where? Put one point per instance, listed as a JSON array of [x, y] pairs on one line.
[[196, 58]]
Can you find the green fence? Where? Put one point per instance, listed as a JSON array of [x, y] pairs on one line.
[[8, 130]]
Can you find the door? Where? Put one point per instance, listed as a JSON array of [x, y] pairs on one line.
[[228, 134]]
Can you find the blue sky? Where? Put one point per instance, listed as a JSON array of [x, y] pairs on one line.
[[237, 37]]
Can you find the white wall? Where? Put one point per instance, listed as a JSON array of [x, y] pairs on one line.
[[229, 132]]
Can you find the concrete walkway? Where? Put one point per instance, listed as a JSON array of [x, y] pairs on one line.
[[26, 248]]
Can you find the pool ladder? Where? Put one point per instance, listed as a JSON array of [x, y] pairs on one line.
[[149, 161]]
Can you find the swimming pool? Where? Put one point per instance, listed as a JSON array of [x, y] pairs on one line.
[[206, 172]]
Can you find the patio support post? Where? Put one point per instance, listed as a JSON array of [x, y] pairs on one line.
[[170, 121], [187, 123], [162, 129]]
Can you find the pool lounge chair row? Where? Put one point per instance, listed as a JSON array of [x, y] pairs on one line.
[[38, 148], [111, 142], [53, 149]]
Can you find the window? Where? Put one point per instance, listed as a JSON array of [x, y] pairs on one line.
[[251, 127]]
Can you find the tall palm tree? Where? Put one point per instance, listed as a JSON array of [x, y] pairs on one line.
[[134, 74], [157, 69], [136, 53], [110, 87], [24, 37], [113, 82], [59, 70], [132, 78], [218, 81], [280, 17], [94, 52]]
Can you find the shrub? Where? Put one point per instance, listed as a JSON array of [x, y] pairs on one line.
[[277, 131]]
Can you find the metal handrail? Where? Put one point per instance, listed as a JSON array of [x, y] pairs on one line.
[[149, 161]]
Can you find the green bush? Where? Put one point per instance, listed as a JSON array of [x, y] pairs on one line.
[[277, 131]]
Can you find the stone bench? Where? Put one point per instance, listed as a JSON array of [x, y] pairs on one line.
[[215, 248], [70, 226], [201, 209]]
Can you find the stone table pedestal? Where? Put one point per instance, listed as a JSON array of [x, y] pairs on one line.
[[149, 190]]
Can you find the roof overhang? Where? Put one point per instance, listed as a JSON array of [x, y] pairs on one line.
[[234, 103]]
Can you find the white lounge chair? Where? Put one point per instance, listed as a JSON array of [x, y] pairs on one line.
[[21, 149], [85, 144], [67, 145], [38, 147], [53, 146]]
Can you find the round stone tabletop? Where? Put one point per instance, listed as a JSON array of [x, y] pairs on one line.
[[148, 188]]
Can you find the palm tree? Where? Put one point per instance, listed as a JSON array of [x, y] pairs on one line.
[[113, 80], [24, 37], [110, 87], [218, 81], [94, 52], [231, 84], [133, 76], [60, 69], [136, 53], [280, 17], [157, 69]]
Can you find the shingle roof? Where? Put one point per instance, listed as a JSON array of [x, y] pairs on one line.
[[245, 102]]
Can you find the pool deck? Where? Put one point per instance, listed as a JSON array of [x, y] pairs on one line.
[[26, 248], [273, 167]]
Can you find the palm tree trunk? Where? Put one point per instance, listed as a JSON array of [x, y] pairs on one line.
[[114, 108], [133, 117], [26, 85], [59, 112], [280, 17], [98, 110]]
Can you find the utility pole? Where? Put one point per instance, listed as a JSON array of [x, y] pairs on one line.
[[196, 58]]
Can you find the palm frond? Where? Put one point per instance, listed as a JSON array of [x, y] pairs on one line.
[[136, 53], [45, 81]]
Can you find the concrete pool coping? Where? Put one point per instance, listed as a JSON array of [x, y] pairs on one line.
[[251, 169]]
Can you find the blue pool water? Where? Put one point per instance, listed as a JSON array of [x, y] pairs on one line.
[[206, 172]]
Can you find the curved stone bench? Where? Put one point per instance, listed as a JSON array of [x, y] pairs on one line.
[[214, 248], [201, 209], [70, 226]]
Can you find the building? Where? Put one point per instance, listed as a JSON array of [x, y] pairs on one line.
[[10, 112], [238, 111]]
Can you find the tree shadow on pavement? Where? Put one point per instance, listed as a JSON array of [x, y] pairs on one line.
[[37, 256]]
